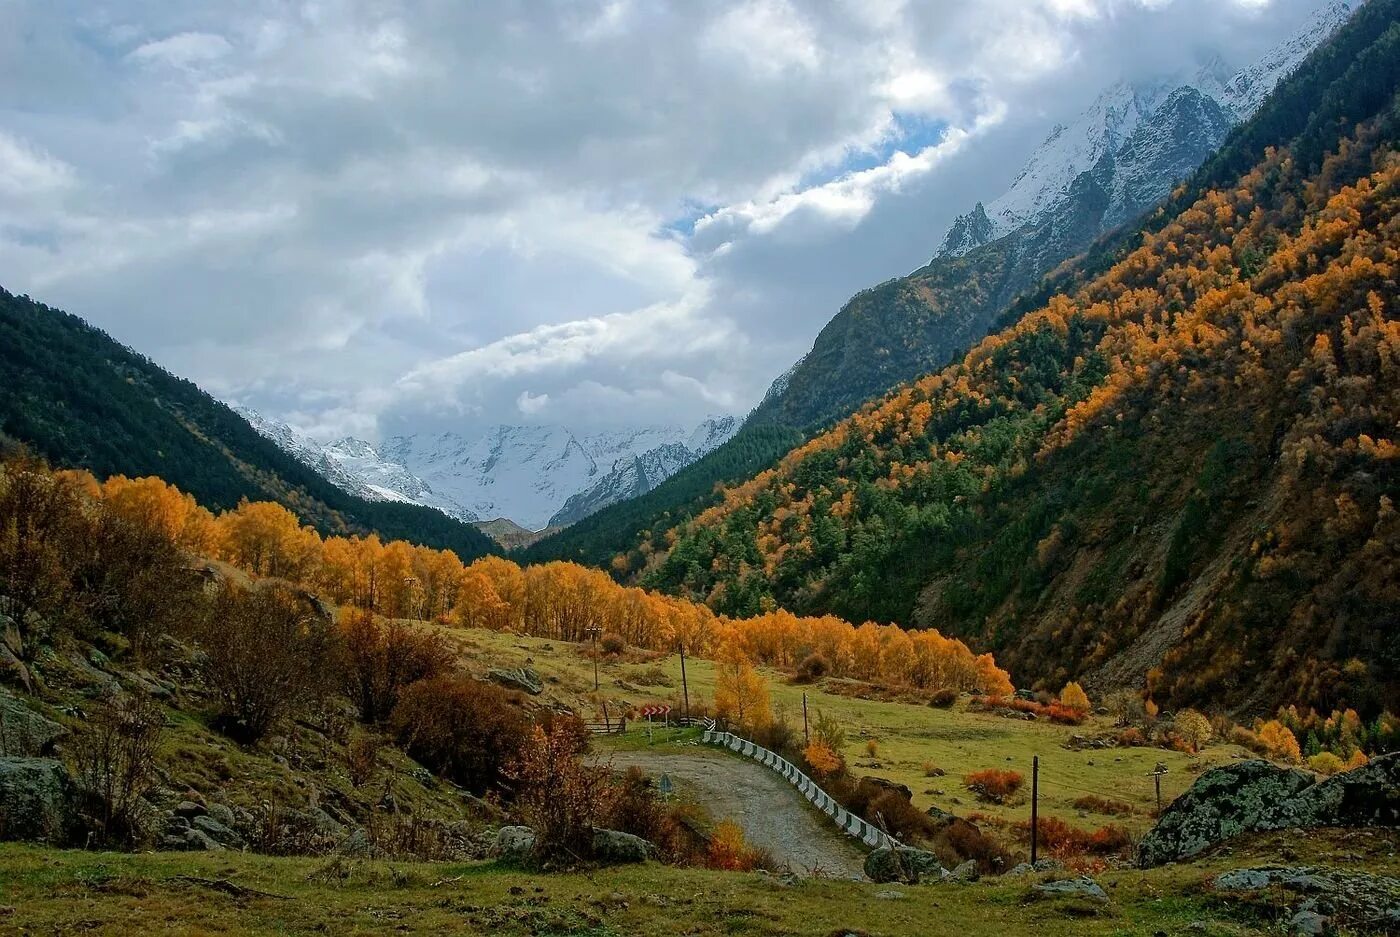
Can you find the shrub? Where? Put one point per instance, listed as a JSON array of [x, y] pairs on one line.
[[872, 748], [729, 850], [1241, 736], [1279, 742], [559, 797], [1131, 737], [828, 729], [1074, 697], [1326, 763], [383, 657], [266, 654], [813, 668], [932, 770], [1065, 715], [1096, 804], [362, 758], [822, 759], [1358, 759], [895, 813], [464, 729], [1126, 707], [1193, 728], [1064, 841], [994, 785], [944, 698], [613, 645], [962, 840], [114, 760]]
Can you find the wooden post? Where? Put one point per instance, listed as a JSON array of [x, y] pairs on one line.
[[606, 723], [685, 686], [1035, 797], [806, 735], [1157, 773]]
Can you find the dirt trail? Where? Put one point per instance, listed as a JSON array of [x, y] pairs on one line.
[[773, 814]]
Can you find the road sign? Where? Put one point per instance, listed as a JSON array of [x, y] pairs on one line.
[[654, 710]]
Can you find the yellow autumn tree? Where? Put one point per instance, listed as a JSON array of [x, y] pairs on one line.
[[1074, 697]]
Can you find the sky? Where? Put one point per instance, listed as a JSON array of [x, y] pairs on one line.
[[370, 217]]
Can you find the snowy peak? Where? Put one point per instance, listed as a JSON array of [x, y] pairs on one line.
[[529, 475], [1147, 118]]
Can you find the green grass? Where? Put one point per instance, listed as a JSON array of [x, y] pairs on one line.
[[50, 891], [908, 736]]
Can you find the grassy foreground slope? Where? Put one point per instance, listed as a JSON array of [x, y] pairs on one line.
[[178, 894]]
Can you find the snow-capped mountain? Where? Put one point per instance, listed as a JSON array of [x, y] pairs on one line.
[[1137, 140], [533, 475]]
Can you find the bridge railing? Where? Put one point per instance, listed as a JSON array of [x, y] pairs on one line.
[[849, 823]]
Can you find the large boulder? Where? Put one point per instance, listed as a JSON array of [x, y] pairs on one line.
[[525, 679], [23, 732], [902, 864], [871, 787], [1258, 795], [38, 800], [616, 846], [514, 843]]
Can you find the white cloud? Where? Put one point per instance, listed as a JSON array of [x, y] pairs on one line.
[[374, 216]]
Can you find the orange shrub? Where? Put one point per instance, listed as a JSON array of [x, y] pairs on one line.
[[1065, 715], [730, 851], [994, 784], [1064, 841], [823, 759], [1279, 742]]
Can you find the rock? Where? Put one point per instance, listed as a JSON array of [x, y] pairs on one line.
[[38, 801], [870, 787], [176, 825], [1257, 795], [24, 733], [1308, 922], [902, 864], [223, 814], [217, 832], [1041, 865], [891, 895], [189, 809], [514, 843], [525, 679], [199, 841], [1082, 887], [616, 846], [359, 846], [965, 872]]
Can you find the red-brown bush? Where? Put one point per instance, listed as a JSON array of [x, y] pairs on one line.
[[1064, 841], [461, 728], [994, 784], [1065, 715], [1096, 804], [382, 657], [942, 699]]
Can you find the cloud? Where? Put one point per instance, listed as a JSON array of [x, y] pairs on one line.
[[378, 218]]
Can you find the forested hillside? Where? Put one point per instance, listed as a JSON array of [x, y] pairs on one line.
[[78, 398], [1182, 472]]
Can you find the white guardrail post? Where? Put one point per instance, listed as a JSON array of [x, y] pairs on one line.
[[847, 822]]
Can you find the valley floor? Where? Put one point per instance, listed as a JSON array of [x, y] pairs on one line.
[[47, 892]]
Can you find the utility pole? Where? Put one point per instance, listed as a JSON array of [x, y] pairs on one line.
[[593, 631], [1156, 775], [806, 735], [1035, 797], [685, 687]]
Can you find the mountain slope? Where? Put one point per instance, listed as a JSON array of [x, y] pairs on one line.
[[1130, 146], [1115, 161], [1183, 473], [78, 398], [531, 476]]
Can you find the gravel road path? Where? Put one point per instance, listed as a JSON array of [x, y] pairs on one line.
[[773, 814]]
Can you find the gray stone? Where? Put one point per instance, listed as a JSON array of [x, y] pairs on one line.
[[901, 864], [38, 800], [1256, 795], [199, 841], [514, 843], [24, 733], [223, 814], [616, 846], [189, 809], [1308, 923], [525, 679], [175, 825], [965, 872], [1082, 887], [217, 832], [358, 845]]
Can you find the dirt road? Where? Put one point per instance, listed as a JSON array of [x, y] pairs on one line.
[[773, 814]]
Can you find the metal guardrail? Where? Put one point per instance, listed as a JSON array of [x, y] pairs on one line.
[[847, 822]]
